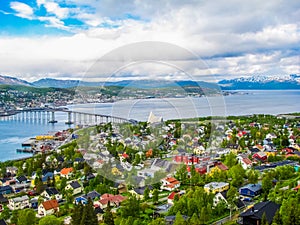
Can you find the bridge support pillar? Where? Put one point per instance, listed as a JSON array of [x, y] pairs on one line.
[[69, 118]]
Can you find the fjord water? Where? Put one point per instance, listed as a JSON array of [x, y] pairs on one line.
[[13, 133]]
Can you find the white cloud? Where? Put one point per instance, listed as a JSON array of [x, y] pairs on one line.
[[54, 8], [234, 38], [23, 10]]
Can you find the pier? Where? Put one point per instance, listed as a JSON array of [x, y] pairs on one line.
[[48, 115]]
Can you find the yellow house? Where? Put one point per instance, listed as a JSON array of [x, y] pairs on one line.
[[216, 187]]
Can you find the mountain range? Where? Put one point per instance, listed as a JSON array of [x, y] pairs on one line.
[[243, 83]]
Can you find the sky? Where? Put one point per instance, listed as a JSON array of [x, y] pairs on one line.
[[158, 39]]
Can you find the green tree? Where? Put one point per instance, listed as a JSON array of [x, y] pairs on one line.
[[131, 207], [155, 196], [237, 174], [194, 220], [5, 214], [230, 160], [158, 221], [252, 176], [14, 217], [89, 216], [266, 183], [77, 214], [264, 220], [182, 174], [277, 219], [146, 193], [26, 217], [179, 219], [50, 220], [108, 217]]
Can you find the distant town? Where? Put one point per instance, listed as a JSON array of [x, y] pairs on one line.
[[16, 97]]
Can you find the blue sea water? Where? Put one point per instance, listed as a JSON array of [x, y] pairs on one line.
[[13, 133]]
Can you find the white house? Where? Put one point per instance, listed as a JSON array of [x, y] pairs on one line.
[[48, 207], [245, 162], [18, 203], [50, 193], [75, 187], [170, 184]]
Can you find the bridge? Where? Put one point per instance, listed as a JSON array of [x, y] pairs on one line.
[[73, 117]]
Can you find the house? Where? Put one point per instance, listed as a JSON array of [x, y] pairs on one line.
[[251, 190], [18, 203], [66, 172], [48, 207], [12, 170], [93, 195], [99, 212], [46, 176], [34, 203], [170, 184], [255, 213], [6, 190], [162, 210], [121, 187], [260, 156], [50, 193], [139, 191], [75, 187], [22, 179], [222, 196], [114, 200], [245, 162], [215, 187]]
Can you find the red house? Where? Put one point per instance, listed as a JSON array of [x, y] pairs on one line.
[[260, 156]]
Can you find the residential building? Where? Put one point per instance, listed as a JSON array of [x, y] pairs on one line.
[[245, 162], [139, 191], [18, 203], [215, 187], [255, 213], [75, 187], [48, 207], [93, 195], [66, 172], [6, 190], [50, 193], [222, 196], [170, 184], [250, 190]]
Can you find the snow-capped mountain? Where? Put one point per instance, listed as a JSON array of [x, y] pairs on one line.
[[263, 82], [13, 81]]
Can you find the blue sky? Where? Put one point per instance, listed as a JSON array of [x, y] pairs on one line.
[[64, 38]]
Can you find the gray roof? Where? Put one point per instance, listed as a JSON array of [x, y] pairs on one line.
[[75, 184], [252, 187]]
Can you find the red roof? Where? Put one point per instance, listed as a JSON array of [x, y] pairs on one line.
[[125, 155], [106, 196], [297, 188], [221, 166], [51, 204], [66, 171], [247, 161], [172, 195]]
